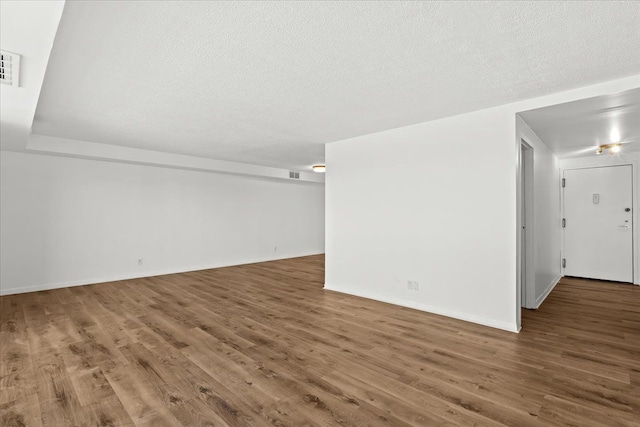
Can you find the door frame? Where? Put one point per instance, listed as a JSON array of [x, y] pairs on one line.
[[525, 267], [634, 217]]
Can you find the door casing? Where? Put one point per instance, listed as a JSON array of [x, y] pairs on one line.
[[525, 277]]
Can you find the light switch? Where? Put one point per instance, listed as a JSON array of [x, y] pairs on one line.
[[596, 198]]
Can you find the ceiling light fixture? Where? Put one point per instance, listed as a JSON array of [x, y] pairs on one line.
[[613, 148], [614, 136], [319, 168]]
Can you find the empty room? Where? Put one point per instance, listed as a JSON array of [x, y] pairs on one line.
[[319, 213]]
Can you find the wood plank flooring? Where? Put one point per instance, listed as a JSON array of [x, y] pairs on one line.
[[265, 345]]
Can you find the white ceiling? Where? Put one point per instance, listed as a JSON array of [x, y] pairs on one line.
[[29, 30], [574, 129], [270, 82]]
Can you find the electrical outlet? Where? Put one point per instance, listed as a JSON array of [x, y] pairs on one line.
[[275, 249], [413, 285], [140, 261]]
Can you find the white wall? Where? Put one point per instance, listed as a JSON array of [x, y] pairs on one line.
[[67, 221], [622, 158], [547, 215], [434, 202]]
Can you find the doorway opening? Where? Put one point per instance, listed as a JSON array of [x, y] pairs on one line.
[[598, 132], [525, 226]]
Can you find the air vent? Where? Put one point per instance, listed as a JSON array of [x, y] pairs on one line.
[[9, 68], [294, 175]]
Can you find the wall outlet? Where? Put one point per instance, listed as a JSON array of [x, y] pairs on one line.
[[413, 285], [275, 249], [140, 261]]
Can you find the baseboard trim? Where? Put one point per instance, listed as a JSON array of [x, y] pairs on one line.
[[505, 326], [115, 278], [547, 291]]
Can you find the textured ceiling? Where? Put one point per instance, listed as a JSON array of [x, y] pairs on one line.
[[575, 128], [270, 82]]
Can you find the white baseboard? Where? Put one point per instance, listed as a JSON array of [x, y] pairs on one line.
[[116, 277], [547, 291], [505, 326]]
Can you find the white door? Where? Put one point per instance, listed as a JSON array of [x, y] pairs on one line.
[[598, 229]]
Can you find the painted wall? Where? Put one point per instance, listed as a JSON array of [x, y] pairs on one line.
[[67, 221], [547, 231], [622, 158], [435, 203], [427, 203]]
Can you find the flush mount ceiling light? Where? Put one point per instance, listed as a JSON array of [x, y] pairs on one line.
[[613, 148], [319, 168], [614, 137]]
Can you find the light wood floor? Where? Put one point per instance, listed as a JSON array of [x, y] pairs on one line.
[[264, 345]]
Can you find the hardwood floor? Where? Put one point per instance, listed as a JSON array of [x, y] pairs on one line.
[[265, 345]]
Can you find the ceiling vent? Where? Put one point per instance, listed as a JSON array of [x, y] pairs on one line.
[[294, 175], [9, 69]]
